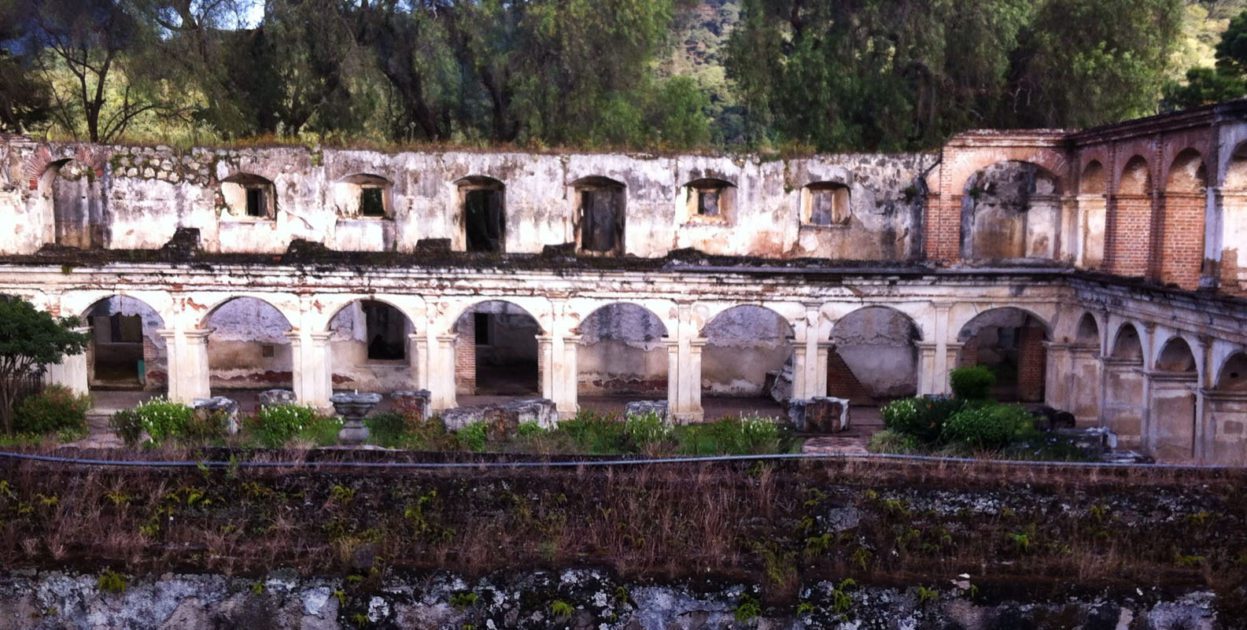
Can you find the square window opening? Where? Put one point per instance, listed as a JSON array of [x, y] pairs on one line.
[[371, 202], [256, 203]]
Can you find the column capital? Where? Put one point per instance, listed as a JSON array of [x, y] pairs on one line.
[[697, 342], [197, 334], [451, 338], [572, 339]]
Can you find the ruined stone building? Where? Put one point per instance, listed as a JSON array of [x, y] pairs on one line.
[[1099, 271]]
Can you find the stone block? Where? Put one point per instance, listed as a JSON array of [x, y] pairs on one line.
[[413, 404], [504, 419], [277, 397], [642, 407], [218, 405], [821, 414]]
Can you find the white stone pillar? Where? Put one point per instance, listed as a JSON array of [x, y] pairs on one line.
[[690, 379], [820, 368], [673, 375], [951, 350], [418, 358], [799, 372], [928, 376], [942, 349], [311, 368], [442, 374], [189, 376], [1059, 370], [566, 391], [72, 370], [545, 366]]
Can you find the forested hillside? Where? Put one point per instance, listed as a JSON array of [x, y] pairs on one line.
[[761, 75]]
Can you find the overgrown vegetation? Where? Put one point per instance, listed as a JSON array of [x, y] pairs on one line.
[[30, 340], [968, 424], [777, 525], [56, 409]]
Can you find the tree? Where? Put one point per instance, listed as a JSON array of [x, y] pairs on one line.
[[1212, 85], [30, 340], [24, 99], [89, 38]]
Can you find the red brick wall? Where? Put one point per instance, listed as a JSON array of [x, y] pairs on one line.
[[1182, 239], [1130, 236], [1032, 364], [465, 356], [943, 228]]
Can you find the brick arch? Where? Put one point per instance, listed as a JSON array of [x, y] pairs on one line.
[[906, 316], [1182, 220], [1187, 171], [1093, 177], [966, 163], [1138, 169]]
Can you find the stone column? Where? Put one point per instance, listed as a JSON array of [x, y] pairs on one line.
[[1058, 376], [820, 368], [418, 358], [1214, 221], [566, 389], [72, 371], [189, 376], [928, 376], [545, 367], [673, 374], [684, 380], [312, 368], [950, 362], [799, 372], [442, 374]]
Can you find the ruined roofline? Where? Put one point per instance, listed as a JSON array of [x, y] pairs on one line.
[[406, 149]]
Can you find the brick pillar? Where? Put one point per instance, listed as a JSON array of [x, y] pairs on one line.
[[1182, 239], [465, 356], [1032, 364], [943, 227], [1130, 236]]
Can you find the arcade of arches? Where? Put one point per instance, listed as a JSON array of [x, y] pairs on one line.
[[1098, 271]]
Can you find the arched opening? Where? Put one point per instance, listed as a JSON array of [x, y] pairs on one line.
[[1227, 411], [1233, 265], [1088, 334], [1124, 387], [874, 357], [600, 216], [1173, 403], [1130, 234], [369, 347], [1010, 210], [76, 216], [363, 196], [248, 348], [1010, 342], [496, 353], [126, 353], [746, 364], [1182, 222], [710, 200], [1092, 214], [248, 196], [622, 357], [1084, 377], [482, 203]]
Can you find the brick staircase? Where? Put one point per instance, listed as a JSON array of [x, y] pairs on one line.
[[842, 383]]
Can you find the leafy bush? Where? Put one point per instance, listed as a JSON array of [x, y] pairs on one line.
[[56, 408], [972, 383], [127, 425], [735, 436], [529, 429], [206, 426], [922, 418], [646, 431], [594, 433], [161, 419], [275, 425], [888, 441], [386, 428], [988, 426], [474, 436]]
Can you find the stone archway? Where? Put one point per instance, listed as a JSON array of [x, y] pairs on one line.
[[1122, 410], [1010, 342], [623, 352], [369, 347], [874, 356], [249, 346], [496, 351], [1227, 412], [1173, 403], [747, 355], [1010, 210], [126, 350]]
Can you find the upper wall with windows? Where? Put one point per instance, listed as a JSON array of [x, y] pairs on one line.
[[260, 200]]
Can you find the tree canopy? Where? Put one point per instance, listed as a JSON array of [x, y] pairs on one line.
[[30, 339], [660, 74]]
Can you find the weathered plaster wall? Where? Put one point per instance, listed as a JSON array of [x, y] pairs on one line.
[[141, 195]]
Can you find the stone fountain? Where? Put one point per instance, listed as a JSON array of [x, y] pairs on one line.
[[352, 408]]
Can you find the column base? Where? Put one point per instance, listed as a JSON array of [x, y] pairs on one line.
[[688, 417]]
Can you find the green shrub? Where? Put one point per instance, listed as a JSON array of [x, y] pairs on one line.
[[474, 436], [160, 418], [972, 383], [755, 434], [889, 441], [529, 429], [128, 425], [594, 433], [56, 408], [386, 428], [275, 425], [922, 418], [646, 431], [988, 426]]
